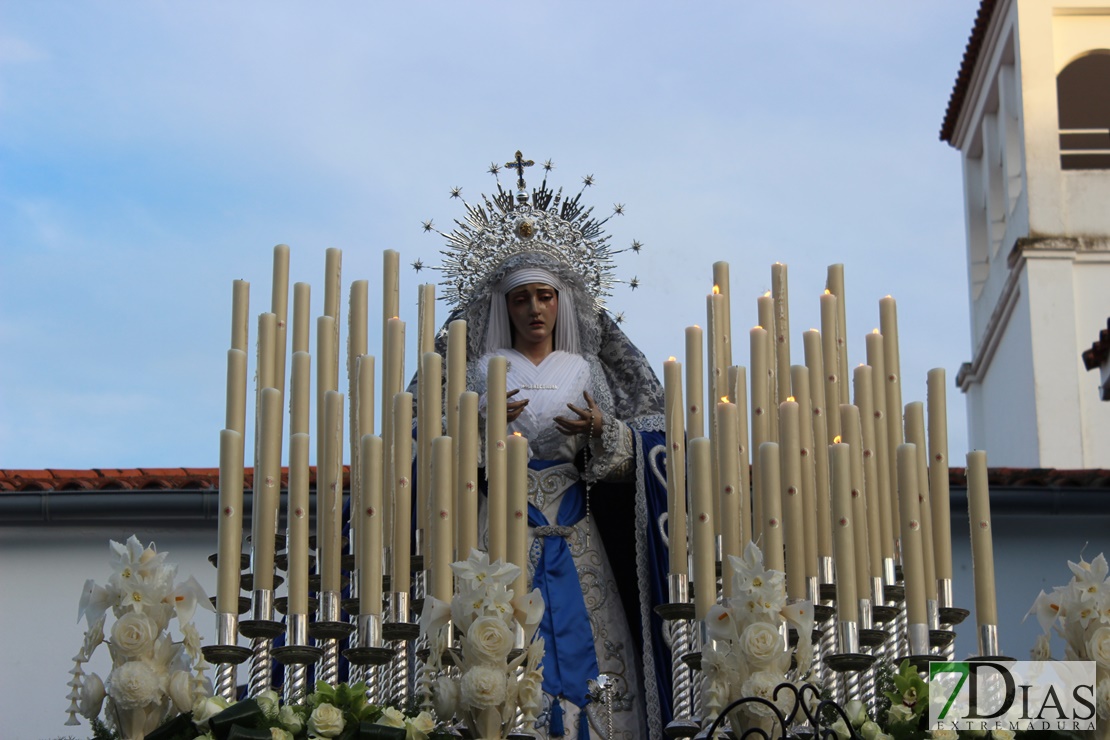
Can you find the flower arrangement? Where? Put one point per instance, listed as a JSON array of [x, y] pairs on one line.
[[748, 655], [342, 712], [486, 612], [152, 674], [1080, 613]]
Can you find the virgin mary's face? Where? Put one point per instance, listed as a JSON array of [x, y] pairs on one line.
[[533, 308]]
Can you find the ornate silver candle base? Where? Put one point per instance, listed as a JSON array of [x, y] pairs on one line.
[[678, 615], [988, 640], [262, 629], [226, 654], [296, 654], [398, 629], [329, 630], [849, 662]]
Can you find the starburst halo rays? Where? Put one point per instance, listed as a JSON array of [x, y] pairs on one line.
[[514, 220]]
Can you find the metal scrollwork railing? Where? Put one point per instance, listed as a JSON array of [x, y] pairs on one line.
[[809, 711]]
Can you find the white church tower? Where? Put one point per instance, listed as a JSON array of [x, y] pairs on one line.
[[1030, 114]]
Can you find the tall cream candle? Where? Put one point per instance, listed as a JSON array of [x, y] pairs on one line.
[[816, 366], [516, 521], [279, 306], [442, 519], [240, 314], [728, 475], [913, 566], [799, 383], [430, 427], [790, 453], [831, 362], [739, 394], [333, 265], [695, 397], [456, 374], [843, 512], [297, 518], [765, 307], [467, 476], [761, 413], [853, 436], [364, 369], [370, 562], [267, 341], [236, 411], [326, 368], [400, 577], [938, 472], [888, 325], [674, 417], [300, 389], [915, 434], [391, 285], [771, 494], [781, 300], [267, 488], [302, 294], [889, 517], [982, 539], [703, 538], [230, 523], [496, 461], [721, 280], [865, 401], [835, 284], [363, 422], [426, 308], [358, 312], [329, 495], [393, 370], [716, 392]]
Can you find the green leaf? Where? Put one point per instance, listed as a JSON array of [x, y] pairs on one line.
[[246, 713], [368, 731]]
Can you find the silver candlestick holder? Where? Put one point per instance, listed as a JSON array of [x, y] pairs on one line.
[[329, 630], [679, 615], [399, 629], [226, 654], [262, 629], [371, 655], [297, 655]]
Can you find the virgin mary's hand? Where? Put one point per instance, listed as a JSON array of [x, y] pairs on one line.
[[513, 409], [590, 420]]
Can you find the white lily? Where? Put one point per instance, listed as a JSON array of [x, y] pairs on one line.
[[185, 597]]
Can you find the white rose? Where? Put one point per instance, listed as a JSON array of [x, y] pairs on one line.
[[1098, 647], [1002, 734], [1102, 698], [91, 697], [419, 726], [944, 734], [290, 720], [391, 717], [762, 643], [899, 714], [483, 686], [488, 640], [841, 729], [206, 708], [135, 684], [762, 684], [276, 733], [133, 634], [869, 730], [181, 690], [856, 711], [445, 697], [326, 720], [269, 703]]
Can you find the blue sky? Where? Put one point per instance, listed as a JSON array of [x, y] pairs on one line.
[[150, 153]]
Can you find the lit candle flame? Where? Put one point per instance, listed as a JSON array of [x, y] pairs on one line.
[[716, 290], [671, 358], [828, 292], [767, 294], [724, 399], [517, 434], [836, 440], [790, 399], [874, 331]]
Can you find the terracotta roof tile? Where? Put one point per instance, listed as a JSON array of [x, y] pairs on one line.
[[967, 67], [147, 479]]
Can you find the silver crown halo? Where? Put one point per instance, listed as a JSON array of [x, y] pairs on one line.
[[502, 225]]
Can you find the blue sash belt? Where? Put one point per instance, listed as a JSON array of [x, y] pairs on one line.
[[569, 659]]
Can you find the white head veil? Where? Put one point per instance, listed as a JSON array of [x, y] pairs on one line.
[[499, 333]]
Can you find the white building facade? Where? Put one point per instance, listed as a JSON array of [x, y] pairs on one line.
[[1030, 114]]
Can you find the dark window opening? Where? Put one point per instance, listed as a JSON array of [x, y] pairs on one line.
[[1083, 104]]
